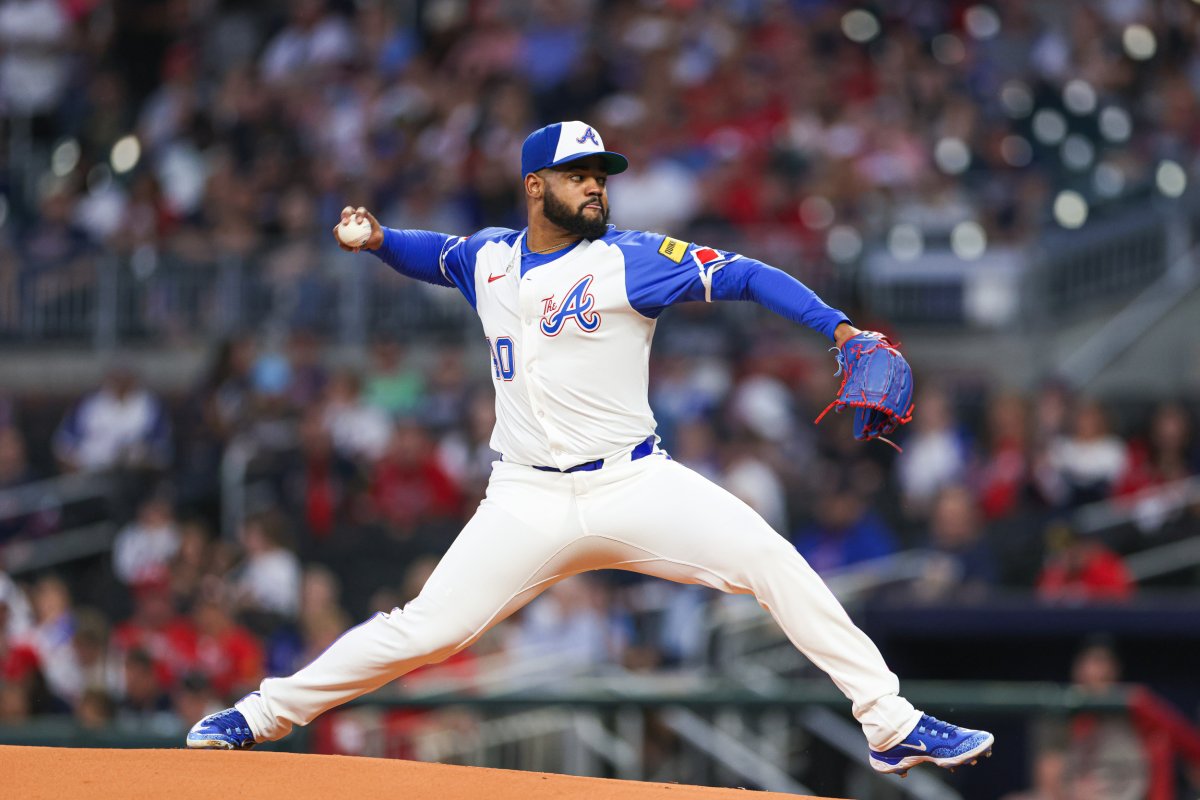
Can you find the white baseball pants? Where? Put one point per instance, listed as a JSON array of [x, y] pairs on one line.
[[535, 528]]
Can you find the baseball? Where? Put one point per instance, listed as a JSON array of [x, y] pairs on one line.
[[354, 234]]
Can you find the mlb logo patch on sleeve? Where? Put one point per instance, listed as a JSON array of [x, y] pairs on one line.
[[705, 256], [673, 249]]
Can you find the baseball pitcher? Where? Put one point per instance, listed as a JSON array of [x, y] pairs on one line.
[[569, 307]]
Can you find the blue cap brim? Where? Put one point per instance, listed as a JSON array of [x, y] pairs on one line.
[[614, 163]]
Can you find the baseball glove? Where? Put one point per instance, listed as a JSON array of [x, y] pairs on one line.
[[876, 382]]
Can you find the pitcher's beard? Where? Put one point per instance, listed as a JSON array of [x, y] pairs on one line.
[[577, 222]]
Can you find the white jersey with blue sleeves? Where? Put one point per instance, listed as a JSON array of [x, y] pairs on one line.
[[570, 351], [570, 332]]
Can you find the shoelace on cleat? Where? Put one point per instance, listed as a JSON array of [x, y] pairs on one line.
[[937, 727], [223, 716]]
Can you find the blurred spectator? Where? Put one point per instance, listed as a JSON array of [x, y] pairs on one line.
[[52, 637], [23, 688], [227, 654], [1169, 453], [15, 471], [224, 394], [317, 484], [846, 531], [934, 453], [695, 445], [269, 579], [1106, 759], [219, 406], [95, 710], [193, 698], [654, 194], [568, 625], [448, 390], [1052, 411], [359, 431], [35, 39], [393, 384], [292, 268], [1084, 466], [961, 561], [314, 38], [320, 589], [763, 405], [1081, 569], [142, 698], [15, 611], [157, 630], [685, 389], [56, 256], [143, 550], [192, 563], [309, 375], [408, 486], [89, 656], [751, 479], [1002, 475], [467, 456], [321, 614], [319, 629], [121, 424], [270, 378]]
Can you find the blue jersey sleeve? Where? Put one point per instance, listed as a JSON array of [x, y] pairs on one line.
[[661, 271], [749, 279], [437, 258], [417, 254]]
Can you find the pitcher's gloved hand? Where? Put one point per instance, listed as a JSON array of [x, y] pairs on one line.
[[876, 382]]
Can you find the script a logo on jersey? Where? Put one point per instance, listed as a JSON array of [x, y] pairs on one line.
[[577, 306], [589, 135]]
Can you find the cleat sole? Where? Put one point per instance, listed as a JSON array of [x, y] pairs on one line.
[[209, 744], [951, 764]]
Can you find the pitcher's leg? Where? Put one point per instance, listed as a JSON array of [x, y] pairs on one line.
[[692, 531], [497, 564]]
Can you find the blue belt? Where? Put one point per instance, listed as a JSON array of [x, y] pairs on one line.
[[641, 451]]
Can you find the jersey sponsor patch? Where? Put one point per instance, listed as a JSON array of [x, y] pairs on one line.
[[673, 249]]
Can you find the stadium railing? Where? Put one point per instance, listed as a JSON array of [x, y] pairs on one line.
[[172, 295], [77, 525], [1062, 274]]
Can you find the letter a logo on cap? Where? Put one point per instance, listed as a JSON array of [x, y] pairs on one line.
[[589, 134]]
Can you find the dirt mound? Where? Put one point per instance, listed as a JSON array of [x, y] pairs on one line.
[[54, 773]]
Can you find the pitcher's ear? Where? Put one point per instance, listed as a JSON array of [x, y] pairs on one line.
[[534, 185]]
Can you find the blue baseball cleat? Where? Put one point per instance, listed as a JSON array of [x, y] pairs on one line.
[[938, 743], [224, 730]]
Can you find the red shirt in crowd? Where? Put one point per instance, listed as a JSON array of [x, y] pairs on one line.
[[1087, 572]]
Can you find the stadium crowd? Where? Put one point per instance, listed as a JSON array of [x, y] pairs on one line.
[[360, 480], [170, 131], [254, 123]]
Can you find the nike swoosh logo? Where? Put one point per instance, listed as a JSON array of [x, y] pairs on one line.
[[495, 277], [922, 747]]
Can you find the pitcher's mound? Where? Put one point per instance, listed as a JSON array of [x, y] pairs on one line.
[[55, 773]]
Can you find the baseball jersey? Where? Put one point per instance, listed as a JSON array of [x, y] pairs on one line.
[[569, 332]]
